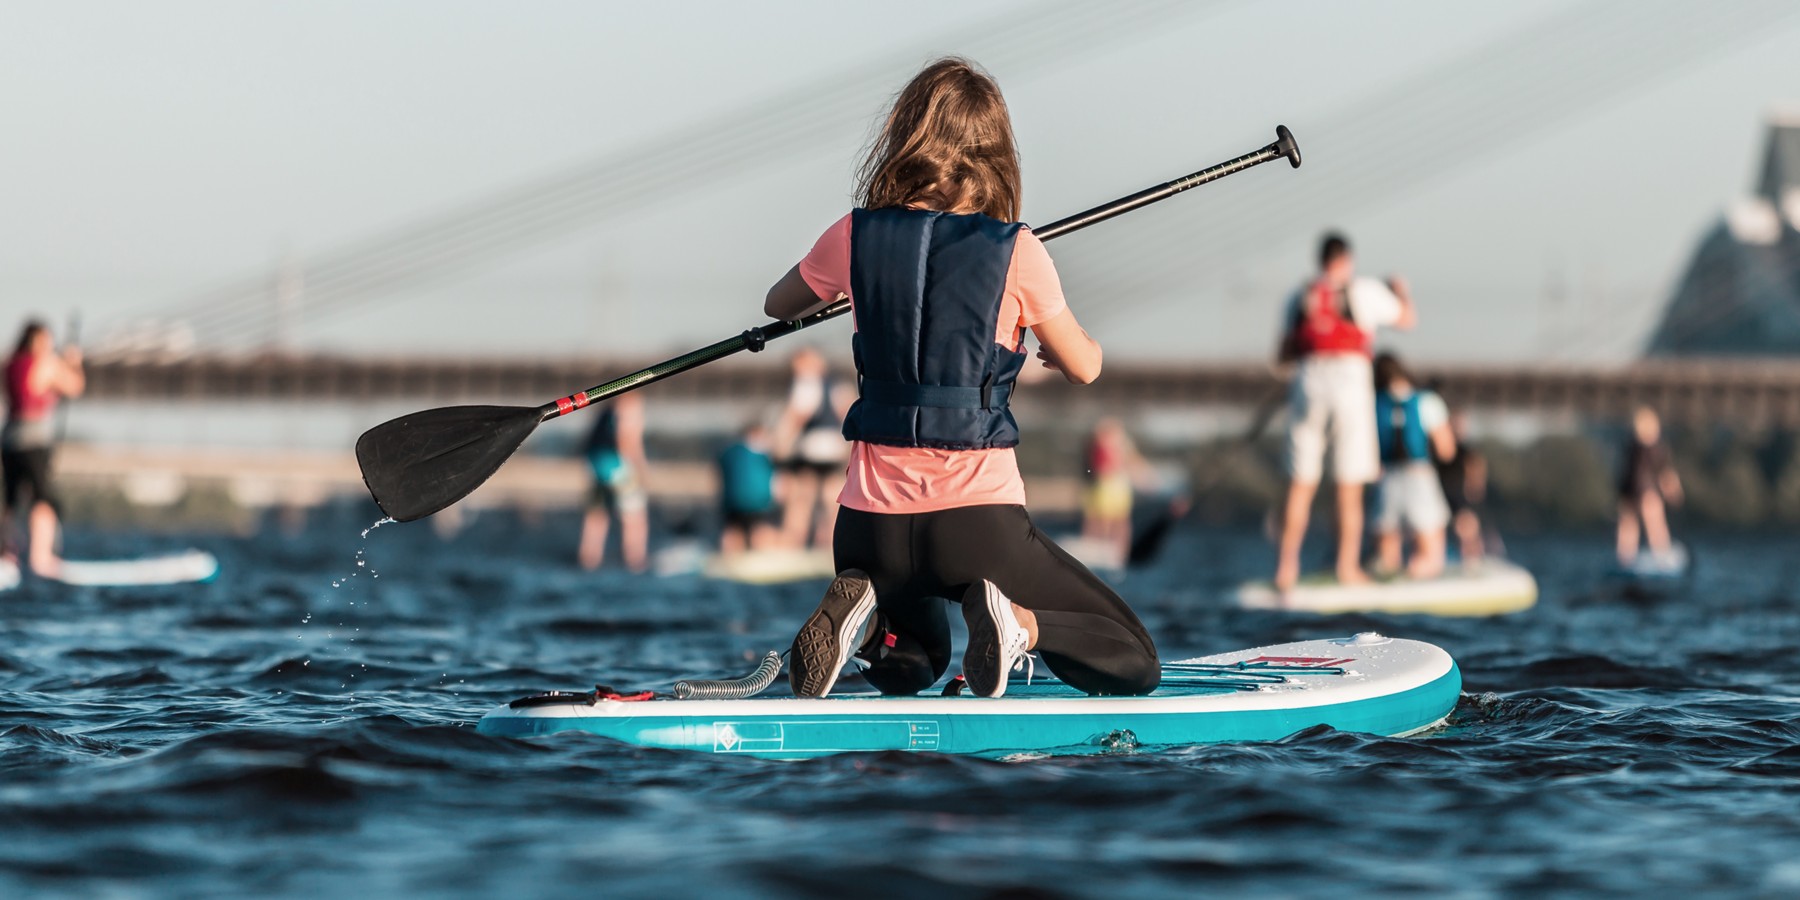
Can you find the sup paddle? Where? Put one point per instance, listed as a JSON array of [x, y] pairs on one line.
[[72, 339], [421, 463]]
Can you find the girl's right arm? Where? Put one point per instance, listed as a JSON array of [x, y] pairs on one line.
[[791, 297], [1064, 346]]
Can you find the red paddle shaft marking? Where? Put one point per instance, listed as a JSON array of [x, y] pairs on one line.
[[571, 403], [1303, 661]]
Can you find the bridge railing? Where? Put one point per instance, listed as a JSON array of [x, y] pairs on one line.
[[1756, 394]]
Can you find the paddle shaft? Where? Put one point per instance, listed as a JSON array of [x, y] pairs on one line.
[[755, 339], [72, 339]]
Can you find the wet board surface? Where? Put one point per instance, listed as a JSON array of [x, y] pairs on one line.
[[771, 566], [1367, 683], [176, 568], [1656, 567], [1490, 588]]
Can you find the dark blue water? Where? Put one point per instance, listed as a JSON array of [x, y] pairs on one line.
[[272, 735]]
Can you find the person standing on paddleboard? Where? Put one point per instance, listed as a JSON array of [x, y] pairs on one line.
[[747, 493], [37, 376], [1330, 338], [1464, 479], [615, 452], [1412, 426], [1648, 484], [809, 439], [944, 280]]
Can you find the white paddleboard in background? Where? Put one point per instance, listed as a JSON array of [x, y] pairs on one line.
[[1650, 566], [771, 566], [188, 567], [1491, 587], [1098, 554]]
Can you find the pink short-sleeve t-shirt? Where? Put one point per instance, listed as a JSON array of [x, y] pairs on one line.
[[922, 479]]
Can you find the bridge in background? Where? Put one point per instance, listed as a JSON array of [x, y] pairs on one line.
[[1746, 394]]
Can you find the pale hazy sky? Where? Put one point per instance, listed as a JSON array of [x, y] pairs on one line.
[[153, 151]]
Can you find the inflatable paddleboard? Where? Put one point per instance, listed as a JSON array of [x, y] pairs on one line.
[[178, 568], [1097, 554], [1491, 587], [1656, 567], [771, 566], [1367, 683]]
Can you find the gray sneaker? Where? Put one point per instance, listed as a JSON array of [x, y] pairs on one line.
[[826, 641]]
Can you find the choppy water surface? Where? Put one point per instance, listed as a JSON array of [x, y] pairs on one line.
[[271, 734]]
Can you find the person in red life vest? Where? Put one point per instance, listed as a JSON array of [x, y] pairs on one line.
[[944, 280], [37, 376], [1330, 338]]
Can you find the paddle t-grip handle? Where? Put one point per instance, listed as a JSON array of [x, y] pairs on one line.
[[755, 339]]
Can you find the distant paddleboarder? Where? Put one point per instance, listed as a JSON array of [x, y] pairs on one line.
[[1412, 427], [1464, 479], [37, 377], [1330, 337], [615, 453], [809, 440], [1115, 470], [1648, 484], [944, 281], [747, 493]]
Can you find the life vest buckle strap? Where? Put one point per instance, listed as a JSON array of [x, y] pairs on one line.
[[936, 396]]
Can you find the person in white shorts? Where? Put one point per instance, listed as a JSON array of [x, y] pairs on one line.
[[1330, 337], [1412, 427]]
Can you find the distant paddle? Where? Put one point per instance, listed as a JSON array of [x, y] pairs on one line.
[[421, 463], [72, 339]]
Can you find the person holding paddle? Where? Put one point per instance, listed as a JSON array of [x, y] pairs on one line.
[[1330, 339], [37, 376], [943, 280]]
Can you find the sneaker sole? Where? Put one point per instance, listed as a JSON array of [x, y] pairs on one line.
[[826, 641], [982, 670]]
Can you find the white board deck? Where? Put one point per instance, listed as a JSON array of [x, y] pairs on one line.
[[771, 566], [1489, 588], [186, 567]]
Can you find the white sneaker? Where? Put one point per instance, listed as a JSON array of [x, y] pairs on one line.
[[997, 642], [830, 634]]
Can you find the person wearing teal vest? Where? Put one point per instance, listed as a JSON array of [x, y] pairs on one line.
[[615, 453], [747, 493], [1412, 427]]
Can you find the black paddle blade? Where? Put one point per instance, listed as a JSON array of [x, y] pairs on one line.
[[421, 463]]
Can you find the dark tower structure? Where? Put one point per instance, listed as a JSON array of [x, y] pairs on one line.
[[1741, 293]]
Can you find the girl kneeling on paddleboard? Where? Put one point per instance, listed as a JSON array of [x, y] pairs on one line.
[[944, 280]]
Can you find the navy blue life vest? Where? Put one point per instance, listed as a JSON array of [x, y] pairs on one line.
[[1401, 431], [927, 288]]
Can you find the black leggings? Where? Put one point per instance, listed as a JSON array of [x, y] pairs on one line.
[[25, 479], [1086, 633]]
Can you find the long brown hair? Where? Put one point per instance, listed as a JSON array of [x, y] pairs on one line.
[[29, 333], [947, 144]]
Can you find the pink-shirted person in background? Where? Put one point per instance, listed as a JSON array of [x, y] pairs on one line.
[[944, 281], [37, 376]]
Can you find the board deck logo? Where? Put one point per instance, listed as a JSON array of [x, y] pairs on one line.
[[1300, 662]]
